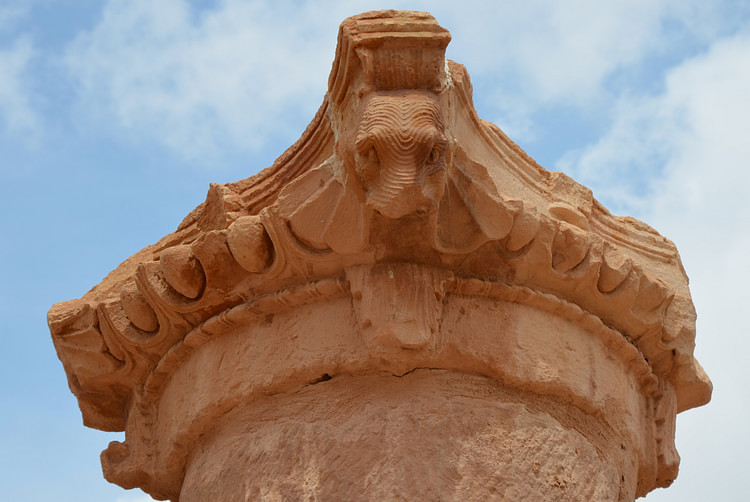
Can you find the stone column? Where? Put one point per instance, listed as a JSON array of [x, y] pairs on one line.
[[404, 306]]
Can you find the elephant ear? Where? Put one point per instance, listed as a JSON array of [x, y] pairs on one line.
[[322, 213], [471, 211]]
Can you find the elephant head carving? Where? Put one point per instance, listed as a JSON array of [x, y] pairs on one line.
[[400, 153]]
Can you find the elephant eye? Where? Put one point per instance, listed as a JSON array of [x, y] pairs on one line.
[[369, 167], [434, 156], [372, 155]]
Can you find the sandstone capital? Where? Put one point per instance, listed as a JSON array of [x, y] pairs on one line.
[[403, 306]]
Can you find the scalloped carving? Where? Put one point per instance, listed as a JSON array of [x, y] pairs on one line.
[[614, 270], [138, 310], [249, 244], [569, 248], [183, 271]]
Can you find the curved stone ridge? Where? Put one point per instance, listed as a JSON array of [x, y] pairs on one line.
[[399, 201]]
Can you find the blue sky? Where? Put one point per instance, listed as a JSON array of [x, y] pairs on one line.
[[116, 115]]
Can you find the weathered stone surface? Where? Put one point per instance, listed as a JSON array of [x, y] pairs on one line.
[[416, 442], [404, 306]]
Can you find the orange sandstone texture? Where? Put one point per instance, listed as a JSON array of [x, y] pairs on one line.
[[404, 306]]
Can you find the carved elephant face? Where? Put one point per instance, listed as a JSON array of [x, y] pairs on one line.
[[400, 153]]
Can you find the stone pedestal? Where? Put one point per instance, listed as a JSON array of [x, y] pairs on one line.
[[403, 307]]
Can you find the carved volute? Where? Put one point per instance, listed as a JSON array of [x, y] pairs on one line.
[[403, 275]]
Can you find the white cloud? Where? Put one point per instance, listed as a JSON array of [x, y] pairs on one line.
[[709, 94], [237, 74], [580, 53], [16, 113], [540, 53], [684, 137], [676, 151], [563, 50], [646, 132]]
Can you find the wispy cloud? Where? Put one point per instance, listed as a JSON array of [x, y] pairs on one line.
[[560, 50], [678, 147], [621, 167], [16, 112], [709, 95], [194, 80], [9, 14], [540, 53]]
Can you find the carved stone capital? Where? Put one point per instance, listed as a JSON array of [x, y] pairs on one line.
[[401, 238]]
